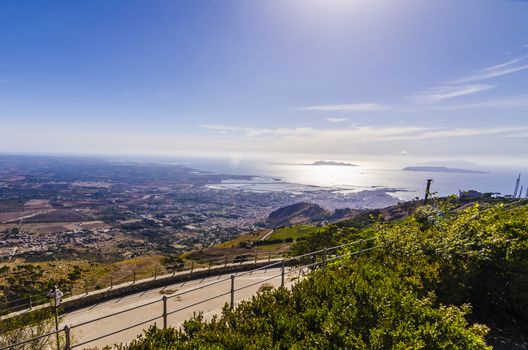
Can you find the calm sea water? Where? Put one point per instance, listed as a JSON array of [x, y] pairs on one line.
[[499, 179]]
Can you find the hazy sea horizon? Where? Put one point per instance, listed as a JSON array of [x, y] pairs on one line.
[[364, 177]]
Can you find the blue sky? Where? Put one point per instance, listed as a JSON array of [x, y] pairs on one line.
[[341, 79]]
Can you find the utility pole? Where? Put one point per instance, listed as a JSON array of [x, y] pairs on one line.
[[521, 191], [517, 186], [428, 191]]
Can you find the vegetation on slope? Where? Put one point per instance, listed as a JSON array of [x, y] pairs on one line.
[[417, 290], [293, 232], [21, 281], [30, 326]]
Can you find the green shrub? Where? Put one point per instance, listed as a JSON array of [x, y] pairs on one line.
[[413, 291]]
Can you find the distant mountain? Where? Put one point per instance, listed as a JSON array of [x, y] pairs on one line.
[[463, 164], [443, 169], [344, 213], [298, 213], [329, 162], [308, 213]]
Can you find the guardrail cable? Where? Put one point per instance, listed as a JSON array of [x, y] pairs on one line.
[[116, 332], [322, 254], [32, 339], [198, 303], [115, 314], [258, 282]]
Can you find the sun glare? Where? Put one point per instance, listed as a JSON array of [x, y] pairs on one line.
[[334, 8]]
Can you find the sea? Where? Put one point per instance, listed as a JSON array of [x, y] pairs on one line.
[[270, 175]]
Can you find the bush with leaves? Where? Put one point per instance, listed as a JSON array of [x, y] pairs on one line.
[[479, 254], [413, 292], [347, 306], [27, 326]]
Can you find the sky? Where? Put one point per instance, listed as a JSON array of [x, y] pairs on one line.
[[404, 80]]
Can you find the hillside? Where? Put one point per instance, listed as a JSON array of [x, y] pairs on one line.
[[438, 279], [298, 213], [309, 213]]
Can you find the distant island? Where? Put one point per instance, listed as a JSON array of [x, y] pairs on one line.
[[328, 162], [443, 169]]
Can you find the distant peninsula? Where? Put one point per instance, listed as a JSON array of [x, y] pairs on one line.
[[443, 169], [328, 162]]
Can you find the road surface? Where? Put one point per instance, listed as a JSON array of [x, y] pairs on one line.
[[182, 306], [266, 236]]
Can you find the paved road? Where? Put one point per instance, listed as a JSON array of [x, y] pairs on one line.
[[220, 288], [266, 236]]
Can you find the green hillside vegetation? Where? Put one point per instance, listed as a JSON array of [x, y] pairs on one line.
[[433, 281], [247, 238], [243, 245], [294, 232]]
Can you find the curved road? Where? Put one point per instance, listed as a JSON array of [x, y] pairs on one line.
[[246, 285]]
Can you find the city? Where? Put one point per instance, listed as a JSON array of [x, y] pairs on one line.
[[53, 207]]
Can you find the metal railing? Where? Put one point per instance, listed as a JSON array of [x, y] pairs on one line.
[[28, 303], [287, 266]]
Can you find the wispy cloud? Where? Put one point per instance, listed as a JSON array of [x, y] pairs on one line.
[[257, 132], [363, 133], [355, 107], [470, 84], [467, 132], [509, 67], [219, 127], [442, 93], [336, 120], [495, 103]]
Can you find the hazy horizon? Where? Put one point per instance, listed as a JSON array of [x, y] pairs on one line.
[[269, 176]]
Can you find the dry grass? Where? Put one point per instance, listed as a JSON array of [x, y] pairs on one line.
[[98, 275]]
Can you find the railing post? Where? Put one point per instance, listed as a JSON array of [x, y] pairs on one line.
[[155, 272], [57, 335], [282, 273], [225, 261], [269, 257], [232, 304], [324, 258], [134, 281], [67, 337], [111, 282], [360, 247], [164, 312], [30, 303], [210, 263], [192, 266], [256, 257]]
